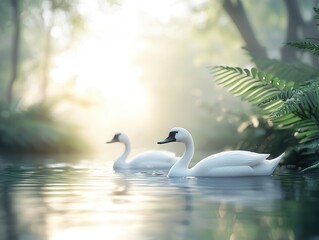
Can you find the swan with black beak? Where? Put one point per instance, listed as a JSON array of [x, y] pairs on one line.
[[144, 160], [235, 163]]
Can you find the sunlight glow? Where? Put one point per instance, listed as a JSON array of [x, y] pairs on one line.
[[101, 64]]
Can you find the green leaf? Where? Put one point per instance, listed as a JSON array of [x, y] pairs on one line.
[[254, 72]]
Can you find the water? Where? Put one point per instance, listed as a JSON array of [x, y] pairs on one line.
[[85, 201]]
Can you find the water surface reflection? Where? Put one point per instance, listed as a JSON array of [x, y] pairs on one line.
[[72, 201]]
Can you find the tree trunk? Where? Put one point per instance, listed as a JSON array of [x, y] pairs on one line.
[[297, 30], [15, 49], [295, 23], [236, 12]]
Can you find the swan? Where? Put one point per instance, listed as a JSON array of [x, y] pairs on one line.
[[234, 163], [145, 160]]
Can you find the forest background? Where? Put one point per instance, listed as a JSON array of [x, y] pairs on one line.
[[72, 73]]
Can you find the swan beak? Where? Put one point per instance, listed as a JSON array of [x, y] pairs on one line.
[[170, 138], [115, 139]]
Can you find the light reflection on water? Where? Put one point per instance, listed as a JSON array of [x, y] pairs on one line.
[[65, 201]]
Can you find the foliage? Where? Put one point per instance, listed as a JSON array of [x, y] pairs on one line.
[[297, 72], [34, 130], [252, 85], [309, 46], [285, 94], [288, 105]]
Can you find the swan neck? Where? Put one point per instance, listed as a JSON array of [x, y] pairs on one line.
[[180, 168], [188, 153], [121, 161]]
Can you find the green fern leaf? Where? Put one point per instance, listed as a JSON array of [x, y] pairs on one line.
[[294, 72], [308, 46], [252, 85], [288, 105]]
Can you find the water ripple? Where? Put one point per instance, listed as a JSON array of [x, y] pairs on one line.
[[68, 201]]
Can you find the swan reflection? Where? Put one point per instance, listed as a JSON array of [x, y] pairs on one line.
[[247, 190]]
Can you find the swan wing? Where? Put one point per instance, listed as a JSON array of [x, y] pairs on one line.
[[153, 159], [232, 158]]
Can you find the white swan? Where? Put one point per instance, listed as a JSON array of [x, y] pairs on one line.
[[225, 164], [145, 160]]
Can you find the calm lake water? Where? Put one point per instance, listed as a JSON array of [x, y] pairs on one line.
[[90, 201]]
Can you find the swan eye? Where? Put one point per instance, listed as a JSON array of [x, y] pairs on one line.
[[117, 137], [172, 134]]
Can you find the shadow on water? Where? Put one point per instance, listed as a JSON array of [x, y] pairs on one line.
[[55, 200]]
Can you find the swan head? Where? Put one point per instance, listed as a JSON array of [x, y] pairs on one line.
[[119, 137], [177, 134]]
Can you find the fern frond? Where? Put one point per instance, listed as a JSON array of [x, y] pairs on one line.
[[300, 112], [287, 106], [284, 96], [312, 83], [308, 46], [252, 85], [297, 72], [303, 103]]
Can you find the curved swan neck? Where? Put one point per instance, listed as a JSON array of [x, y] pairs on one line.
[[180, 168], [121, 161], [188, 153]]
